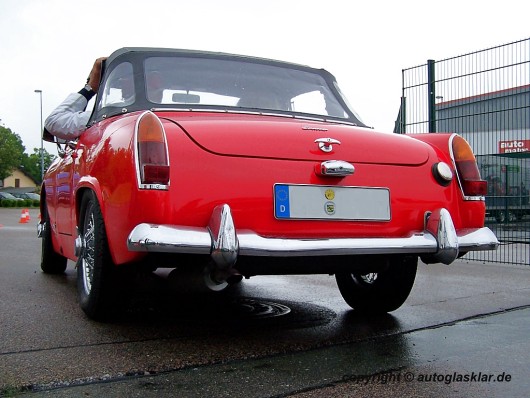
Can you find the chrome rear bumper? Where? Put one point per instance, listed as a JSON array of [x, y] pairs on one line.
[[440, 242]]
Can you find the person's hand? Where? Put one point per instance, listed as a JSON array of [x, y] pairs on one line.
[[95, 74]]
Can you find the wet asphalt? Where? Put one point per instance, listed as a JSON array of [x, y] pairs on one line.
[[485, 356], [462, 332]]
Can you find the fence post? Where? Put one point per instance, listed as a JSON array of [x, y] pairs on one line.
[[431, 98]]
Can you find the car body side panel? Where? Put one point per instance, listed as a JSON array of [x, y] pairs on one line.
[[49, 193]]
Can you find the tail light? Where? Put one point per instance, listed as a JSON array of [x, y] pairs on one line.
[[152, 154], [467, 169]]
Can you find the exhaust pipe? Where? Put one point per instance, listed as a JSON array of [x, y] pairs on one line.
[[220, 273], [197, 281]]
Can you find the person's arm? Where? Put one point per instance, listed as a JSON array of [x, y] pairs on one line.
[[69, 119]]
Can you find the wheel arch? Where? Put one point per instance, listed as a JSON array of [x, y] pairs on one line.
[[86, 185], [92, 185]]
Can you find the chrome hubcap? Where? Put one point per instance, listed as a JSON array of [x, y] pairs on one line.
[[87, 261], [369, 278]]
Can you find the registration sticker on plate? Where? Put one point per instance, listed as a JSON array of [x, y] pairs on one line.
[[315, 202]]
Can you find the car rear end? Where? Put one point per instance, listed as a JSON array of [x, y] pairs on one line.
[[253, 187]]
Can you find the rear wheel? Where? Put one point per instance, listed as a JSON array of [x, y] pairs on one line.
[[51, 261], [382, 291], [95, 269]]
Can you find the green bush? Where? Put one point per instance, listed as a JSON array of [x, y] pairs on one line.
[[8, 203], [19, 203]]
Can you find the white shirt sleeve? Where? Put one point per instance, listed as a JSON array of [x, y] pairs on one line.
[[69, 119]]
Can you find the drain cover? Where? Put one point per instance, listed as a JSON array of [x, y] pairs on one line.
[[249, 308], [230, 311]]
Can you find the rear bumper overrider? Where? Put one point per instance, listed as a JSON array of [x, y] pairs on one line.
[[438, 243]]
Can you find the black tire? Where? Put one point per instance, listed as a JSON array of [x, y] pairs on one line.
[[51, 262], [381, 291], [95, 269]]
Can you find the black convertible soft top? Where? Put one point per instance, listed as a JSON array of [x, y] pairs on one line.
[[223, 74]]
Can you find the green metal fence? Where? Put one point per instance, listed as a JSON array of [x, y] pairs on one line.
[[485, 97]]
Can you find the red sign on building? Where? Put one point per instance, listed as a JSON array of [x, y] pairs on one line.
[[514, 146]]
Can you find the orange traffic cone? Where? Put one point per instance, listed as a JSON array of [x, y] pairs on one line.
[[24, 217]]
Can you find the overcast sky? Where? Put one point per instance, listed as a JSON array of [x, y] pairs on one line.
[[51, 45]]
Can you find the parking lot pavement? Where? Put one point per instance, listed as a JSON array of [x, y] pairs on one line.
[[484, 356]]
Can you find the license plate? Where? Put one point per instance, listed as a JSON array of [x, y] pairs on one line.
[[316, 202]]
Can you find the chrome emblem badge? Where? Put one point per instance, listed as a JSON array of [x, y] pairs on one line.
[[326, 144], [310, 128]]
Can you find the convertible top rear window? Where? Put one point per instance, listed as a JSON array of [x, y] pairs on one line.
[[144, 78], [229, 83]]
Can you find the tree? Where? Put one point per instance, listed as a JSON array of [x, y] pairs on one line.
[[11, 152], [32, 166]]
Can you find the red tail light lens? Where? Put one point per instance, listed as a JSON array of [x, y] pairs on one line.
[[152, 150], [467, 169]]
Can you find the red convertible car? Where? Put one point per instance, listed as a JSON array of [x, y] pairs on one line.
[[224, 166]]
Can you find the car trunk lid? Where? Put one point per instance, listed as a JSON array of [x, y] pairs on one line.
[[277, 137]]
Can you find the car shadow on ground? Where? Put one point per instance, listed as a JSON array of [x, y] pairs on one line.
[[154, 300]]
